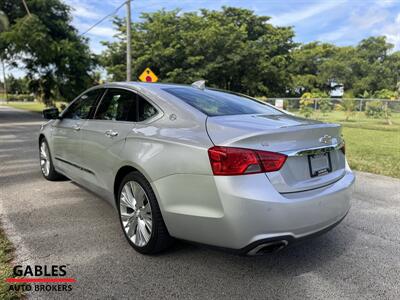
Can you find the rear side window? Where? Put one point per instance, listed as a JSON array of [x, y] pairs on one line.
[[145, 109], [217, 103], [123, 105], [83, 107]]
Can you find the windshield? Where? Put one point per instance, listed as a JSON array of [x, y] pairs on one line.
[[217, 103]]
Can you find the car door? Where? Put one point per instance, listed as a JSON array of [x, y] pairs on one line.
[[67, 134], [103, 137]]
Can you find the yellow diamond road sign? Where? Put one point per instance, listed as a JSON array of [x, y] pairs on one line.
[[148, 76]]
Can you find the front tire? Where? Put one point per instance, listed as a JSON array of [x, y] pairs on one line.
[[46, 162], [140, 215]]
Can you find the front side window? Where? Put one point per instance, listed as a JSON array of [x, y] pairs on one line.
[[217, 103], [83, 107], [117, 105], [122, 105]]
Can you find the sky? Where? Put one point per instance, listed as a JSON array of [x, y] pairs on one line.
[[342, 22]]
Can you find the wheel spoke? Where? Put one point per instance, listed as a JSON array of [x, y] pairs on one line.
[[147, 209], [148, 222], [138, 238], [124, 202], [125, 216], [132, 227], [130, 195], [130, 200], [143, 231]]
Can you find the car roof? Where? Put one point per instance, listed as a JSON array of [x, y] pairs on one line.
[[145, 85]]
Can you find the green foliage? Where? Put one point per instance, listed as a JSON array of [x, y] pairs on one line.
[[375, 109], [306, 104], [17, 85], [6, 269], [21, 97], [232, 49], [398, 89], [366, 68], [58, 61], [325, 105], [385, 94], [348, 106]]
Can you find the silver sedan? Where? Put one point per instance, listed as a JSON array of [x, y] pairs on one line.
[[200, 164]]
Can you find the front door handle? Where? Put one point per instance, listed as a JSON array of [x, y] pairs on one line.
[[76, 127], [111, 133]]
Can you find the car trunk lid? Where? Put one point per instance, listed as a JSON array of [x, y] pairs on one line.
[[311, 146]]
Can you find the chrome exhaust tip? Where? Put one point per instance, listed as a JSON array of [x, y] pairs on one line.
[[271, 247]]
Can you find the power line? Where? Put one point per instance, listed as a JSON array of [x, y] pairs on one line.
[[104, 18]]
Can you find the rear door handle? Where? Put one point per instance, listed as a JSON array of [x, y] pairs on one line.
[[111, 133], [76, 127]]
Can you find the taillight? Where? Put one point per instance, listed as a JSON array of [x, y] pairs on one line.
[[240, 161]]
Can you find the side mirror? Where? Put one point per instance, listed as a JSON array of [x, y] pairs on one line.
[[51, 113]]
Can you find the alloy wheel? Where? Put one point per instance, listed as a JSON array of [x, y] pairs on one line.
[[44, 159], [135, 212]]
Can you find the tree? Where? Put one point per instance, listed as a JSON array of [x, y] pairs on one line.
[[307, 60], [368, 67], [18, 85], [57, 60], [232, 49]]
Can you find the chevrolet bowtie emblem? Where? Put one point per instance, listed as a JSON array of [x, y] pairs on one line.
[[326, 139]]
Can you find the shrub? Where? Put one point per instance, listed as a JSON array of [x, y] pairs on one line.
[[385, 94], [375, 109], [348, 106], [21, 97], [308, 100], [325, 105], [305, 107]]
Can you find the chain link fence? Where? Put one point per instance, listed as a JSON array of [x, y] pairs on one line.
[[293, 104]]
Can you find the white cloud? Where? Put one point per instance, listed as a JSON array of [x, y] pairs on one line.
[[297, 16], [385, 3], [375, 20], [334, 35], [392, 32], [83, 10], [369, 19], [103, 31]]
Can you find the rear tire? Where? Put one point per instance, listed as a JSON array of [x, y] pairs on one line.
[[140, 216], [46, 162]]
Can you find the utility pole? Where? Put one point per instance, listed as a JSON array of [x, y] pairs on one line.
[[128, 42]]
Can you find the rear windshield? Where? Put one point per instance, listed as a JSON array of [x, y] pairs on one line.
[[217, 103]]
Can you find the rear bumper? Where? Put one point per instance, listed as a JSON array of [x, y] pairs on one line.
[[286, 239], [238, 212]]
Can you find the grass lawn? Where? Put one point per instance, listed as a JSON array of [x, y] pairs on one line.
[[31, 106], [371, 145], [6, 255]]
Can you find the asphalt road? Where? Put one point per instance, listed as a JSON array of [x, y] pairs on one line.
[[57, 223]]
